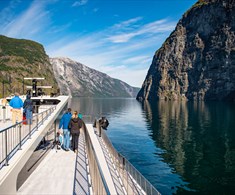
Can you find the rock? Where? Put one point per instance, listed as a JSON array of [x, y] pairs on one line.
[[197, 61], [76, 79]]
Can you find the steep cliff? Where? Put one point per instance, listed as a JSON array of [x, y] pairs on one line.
[[197, 61], [21, 58], [76, 79]]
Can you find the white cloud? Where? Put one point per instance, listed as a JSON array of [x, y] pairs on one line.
[[151, 28], [7, 14], [128, 61], [79, 3], [123, 50], [128, 75], [28, 23], [136, 59], [126, 24]]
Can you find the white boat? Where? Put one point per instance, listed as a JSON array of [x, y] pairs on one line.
[[97, 168]]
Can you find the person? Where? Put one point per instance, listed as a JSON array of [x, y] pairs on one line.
[[104, 123], [75, 125], [60, 140], [28, 109], [4, 102], [64, 123], [80, 115], [16, 103]]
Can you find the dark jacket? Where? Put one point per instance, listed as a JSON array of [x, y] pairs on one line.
[[74, 125], [28, 104]]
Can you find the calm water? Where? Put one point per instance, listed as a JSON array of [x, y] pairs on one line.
[[181, 148]]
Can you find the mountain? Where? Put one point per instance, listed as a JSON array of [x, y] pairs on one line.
[[21, 58], [197, 61], [77, 79]]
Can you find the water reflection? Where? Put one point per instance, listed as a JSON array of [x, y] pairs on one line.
[[99, 106], [199, 142]]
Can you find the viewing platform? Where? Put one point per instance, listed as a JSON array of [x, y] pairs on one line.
[[97, 168]]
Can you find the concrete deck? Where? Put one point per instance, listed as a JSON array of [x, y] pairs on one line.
[[8, 174], [55, 175], [60, 172]]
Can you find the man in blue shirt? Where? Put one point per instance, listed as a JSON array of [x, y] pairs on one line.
[[64, 123], [16, 103]]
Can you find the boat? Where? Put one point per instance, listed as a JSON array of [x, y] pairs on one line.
[[97, 168]]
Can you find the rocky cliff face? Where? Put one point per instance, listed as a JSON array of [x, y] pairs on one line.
[[197, 61], [76, 79], [21, 58]]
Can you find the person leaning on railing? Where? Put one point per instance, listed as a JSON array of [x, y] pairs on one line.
[[16, 103]]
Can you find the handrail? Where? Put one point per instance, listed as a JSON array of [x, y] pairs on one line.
[[130, 176], [5, 111], [13, 137], [133, 181], [98, 182]]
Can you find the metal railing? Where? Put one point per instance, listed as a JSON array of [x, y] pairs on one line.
[[98, 182], [133, 181], [6, 111], [13, 137]]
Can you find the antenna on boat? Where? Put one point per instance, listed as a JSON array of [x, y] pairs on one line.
[[37, 90]]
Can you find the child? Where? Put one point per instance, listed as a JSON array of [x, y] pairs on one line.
[[60, 139]]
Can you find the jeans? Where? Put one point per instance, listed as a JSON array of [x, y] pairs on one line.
[[74, 143], [66, 143], [29, 116]]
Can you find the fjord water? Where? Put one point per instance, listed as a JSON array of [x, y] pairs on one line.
[[180, 147]]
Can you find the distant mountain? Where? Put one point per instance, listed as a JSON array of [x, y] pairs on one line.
[[77, 79], [197, 61], [21, 58]]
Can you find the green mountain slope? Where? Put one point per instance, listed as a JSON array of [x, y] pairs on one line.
[[21, 58]]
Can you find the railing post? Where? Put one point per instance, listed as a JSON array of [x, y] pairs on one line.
[[42, 118], [29, 131], [55, 131], [145, 187], [127, 186], [4, 113], [20, 137], [37, 121], [99, 129], [6, 144]]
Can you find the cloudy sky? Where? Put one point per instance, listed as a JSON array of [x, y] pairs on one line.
[[117, 37]]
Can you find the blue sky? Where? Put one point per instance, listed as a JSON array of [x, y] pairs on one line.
[[117, 37]]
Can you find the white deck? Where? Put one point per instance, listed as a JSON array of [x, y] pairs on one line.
[[60, 172], [55, 175], [8, 174]]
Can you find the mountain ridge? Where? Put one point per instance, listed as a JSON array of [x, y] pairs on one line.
[[90, 82]]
